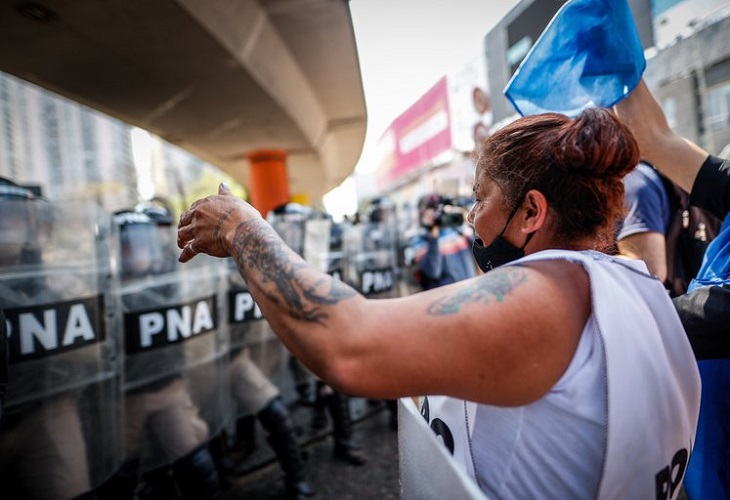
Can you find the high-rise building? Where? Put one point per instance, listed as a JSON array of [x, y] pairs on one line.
[[68, 150]]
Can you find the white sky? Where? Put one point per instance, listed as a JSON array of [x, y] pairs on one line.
[[404, 47]]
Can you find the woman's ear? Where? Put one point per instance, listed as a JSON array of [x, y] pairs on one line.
[[535, 211]]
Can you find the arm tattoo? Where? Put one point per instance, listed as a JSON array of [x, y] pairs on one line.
[[277, 264], [495, 285]]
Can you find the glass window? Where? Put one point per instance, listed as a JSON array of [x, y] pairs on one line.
[[718, 107], [669, 105]]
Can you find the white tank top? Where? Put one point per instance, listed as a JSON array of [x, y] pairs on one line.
[[619, 423]]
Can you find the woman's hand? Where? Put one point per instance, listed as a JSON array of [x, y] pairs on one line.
[[210, 224]]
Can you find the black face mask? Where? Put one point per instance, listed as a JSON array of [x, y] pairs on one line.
[[500, 251]]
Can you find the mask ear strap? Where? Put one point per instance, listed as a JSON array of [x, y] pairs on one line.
[[509, 219], [529, 237], [512, 214]]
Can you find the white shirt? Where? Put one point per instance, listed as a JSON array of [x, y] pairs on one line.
[[619, 423]]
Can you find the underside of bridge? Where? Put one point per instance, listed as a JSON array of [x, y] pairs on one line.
[[219, 78]]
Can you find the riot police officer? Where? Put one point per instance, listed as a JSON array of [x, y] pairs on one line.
[[166, 433], [371, 247], [255, 354], [316, 237], [64, 392]]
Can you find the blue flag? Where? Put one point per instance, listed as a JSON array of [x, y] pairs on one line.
[[590, 55]]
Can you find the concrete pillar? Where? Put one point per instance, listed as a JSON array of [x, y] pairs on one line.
[[269, 184]]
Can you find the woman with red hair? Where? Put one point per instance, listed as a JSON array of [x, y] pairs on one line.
[[561, 372]]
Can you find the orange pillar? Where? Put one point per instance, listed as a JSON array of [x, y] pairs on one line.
[[269, 184]]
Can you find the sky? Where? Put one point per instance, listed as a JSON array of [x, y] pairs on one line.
[[404, 48]]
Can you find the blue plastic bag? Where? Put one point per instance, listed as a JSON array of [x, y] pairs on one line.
[[590, 55]]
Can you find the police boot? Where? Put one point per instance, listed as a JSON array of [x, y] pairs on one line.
[[392, 405], [118, 487], [218, 447], [302, 382], [339, 407], [244, 443], [157, 484], [319, 415], [275, 419], [305, 393], [89, 495], [196, 475]]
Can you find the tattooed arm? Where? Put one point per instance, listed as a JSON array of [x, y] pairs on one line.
[[502, 338]]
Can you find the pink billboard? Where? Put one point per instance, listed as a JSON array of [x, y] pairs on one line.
[[417, 136]]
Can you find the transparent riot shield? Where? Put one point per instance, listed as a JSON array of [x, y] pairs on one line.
[[257, 356], [62, 429], [3, 363], [259, 375], [317, 245], [291, 224], [408, 227], [291, 227], [370, 258], [426, 468], [175, 347]]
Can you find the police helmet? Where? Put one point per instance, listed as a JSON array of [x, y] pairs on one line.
[[141, 245], [379, 210], [160, 215], [12, 191], [16, 226], [290, 212], [158, 209]]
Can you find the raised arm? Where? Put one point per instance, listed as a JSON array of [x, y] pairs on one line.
[[471, 340], [676, 157]]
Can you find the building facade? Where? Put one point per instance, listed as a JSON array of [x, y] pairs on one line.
[[68, 151], [430, 147]]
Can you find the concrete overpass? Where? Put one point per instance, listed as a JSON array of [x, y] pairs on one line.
[[219, 78]]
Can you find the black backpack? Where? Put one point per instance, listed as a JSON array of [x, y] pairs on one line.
[[690, 231]]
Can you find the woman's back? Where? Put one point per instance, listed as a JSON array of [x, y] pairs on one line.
[[623, 411]]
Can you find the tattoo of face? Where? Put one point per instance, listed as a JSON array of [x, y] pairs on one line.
[[494, 286], [278, 264]]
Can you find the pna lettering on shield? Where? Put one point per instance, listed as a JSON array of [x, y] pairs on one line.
[[162, 327]]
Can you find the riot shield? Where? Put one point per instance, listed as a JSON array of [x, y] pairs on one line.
[[62, 431], [257, 355], [291, 224], [175, 351], [426, 468], [408, 227], [370, 258], [3, 363], [291, 228]]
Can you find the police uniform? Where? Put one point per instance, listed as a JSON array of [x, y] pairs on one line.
[[166, 436]]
